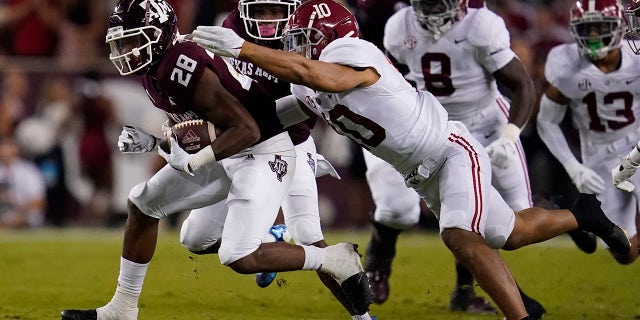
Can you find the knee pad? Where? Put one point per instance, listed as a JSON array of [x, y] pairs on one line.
[[403, 216], [195, 239], [229, 254], [305, 229]]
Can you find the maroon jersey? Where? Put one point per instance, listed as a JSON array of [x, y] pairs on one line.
[[171, 87], [275, 87]]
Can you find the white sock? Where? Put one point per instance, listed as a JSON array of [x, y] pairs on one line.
[[131, 276], [364, 316], [312, 258], [124, 304]]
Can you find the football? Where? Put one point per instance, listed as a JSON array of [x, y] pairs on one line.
[[191, 135]]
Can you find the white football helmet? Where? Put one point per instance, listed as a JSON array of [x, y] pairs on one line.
[[262, 24], [438, 16], [597, 26]]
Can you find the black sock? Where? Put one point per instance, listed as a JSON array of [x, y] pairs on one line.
[[464, 277], [381, 248], [598, 224]]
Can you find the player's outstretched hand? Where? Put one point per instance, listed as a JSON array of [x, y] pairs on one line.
[[136, 140], [622, 173], [178, 158], [219, 40]]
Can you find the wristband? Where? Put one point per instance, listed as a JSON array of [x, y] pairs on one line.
[[201, 158], [511, 132]]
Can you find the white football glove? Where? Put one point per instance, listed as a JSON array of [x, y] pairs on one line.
[[136, 140], [585, 179], [622, 173], [503, 151], [178, 158], [221, 41]]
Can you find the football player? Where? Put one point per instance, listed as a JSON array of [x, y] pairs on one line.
[[622, 172], [261, 22], [596, 78], [352, 85], [245, 159], [457, 53]]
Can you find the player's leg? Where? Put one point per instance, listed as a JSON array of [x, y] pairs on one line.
[[167, 192], [201, 231], [242, 248], [459, 193], [396, 208], [535, 225], [302, 215], [513, 185]]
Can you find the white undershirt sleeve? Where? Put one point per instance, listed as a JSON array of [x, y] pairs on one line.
[[548, 124], [290, 111]]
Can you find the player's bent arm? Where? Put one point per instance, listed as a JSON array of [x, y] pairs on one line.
[[552, 110], [317, 75], [217, 105], [523, 94]]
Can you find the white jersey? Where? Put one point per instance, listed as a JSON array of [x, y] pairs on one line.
[[390, 118], [606, 106], [457, 68]]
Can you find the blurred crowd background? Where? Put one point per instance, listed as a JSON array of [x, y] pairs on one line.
[[62, 106]]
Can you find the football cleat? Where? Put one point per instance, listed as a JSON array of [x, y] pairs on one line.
[[264, 279], [584, 240], [467, 301], [379, 286], [79, 314], [590, 218], [534, 308], [342, 262]]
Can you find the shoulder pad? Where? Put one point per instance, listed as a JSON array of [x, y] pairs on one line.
[[395, 29], [353, 52], [487, 29], [560, 60]]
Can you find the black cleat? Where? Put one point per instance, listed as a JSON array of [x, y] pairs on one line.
[[379, 286], [79, 314], [590, 218], [358, 291], [618, 241], [467, 301], [534, 308], [585, 241]]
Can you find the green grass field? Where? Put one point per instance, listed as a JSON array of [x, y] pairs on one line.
[[45, 271]]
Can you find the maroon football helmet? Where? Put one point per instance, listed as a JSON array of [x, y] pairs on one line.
[[438, 16], [633, 19], [315, 24], [597, 26], [140, 32]]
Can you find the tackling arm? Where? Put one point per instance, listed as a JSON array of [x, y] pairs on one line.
[[317, 75], [289, 66]]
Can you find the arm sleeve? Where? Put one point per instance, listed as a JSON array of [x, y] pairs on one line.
[[548, 124], [289, 111]]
